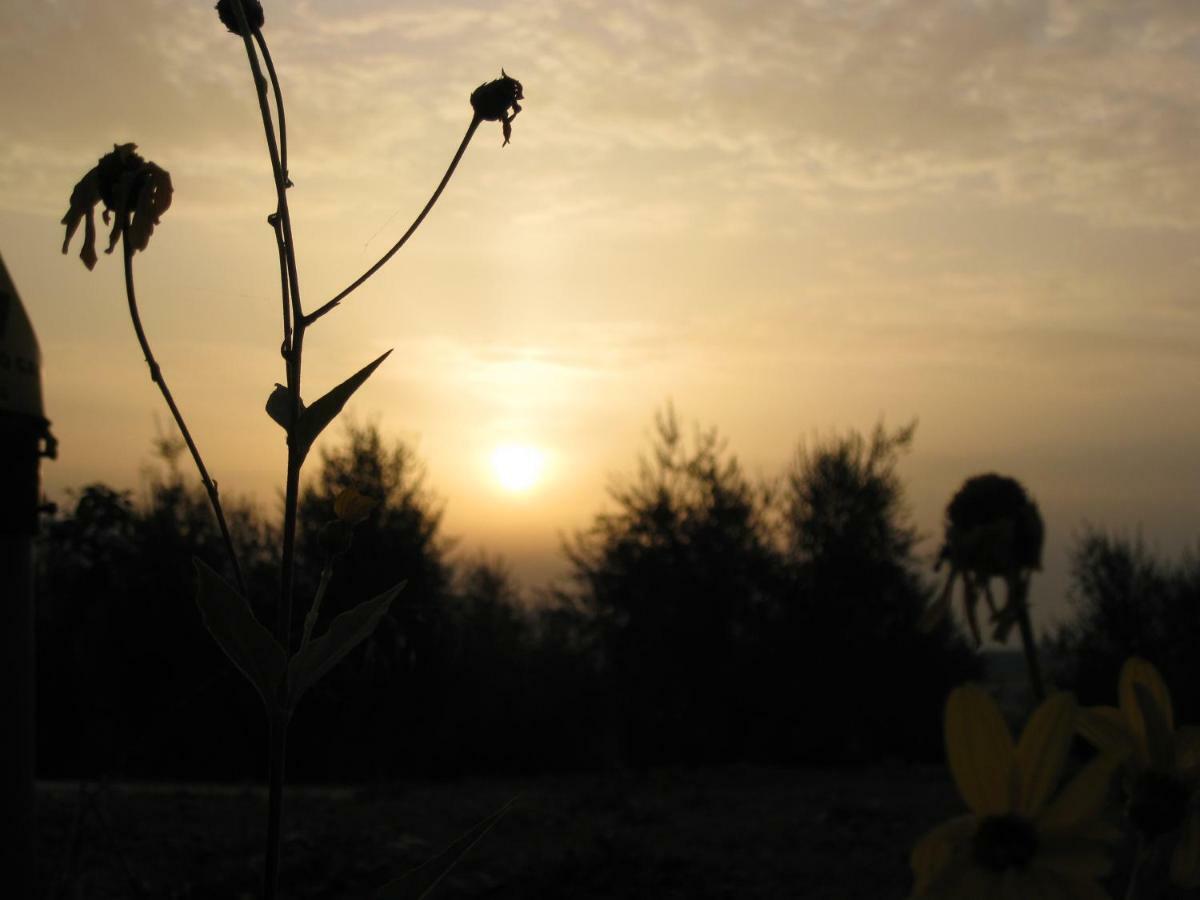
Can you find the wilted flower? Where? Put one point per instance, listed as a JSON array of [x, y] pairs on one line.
[[350, 508], [1019, 840], [491, 101], [353, 507], [228, 16], [993, 529], [1162, 763], [134, 191]]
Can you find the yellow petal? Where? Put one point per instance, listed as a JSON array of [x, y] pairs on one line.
[[1107, 729], [935, 851], [1042, 751], [1074, 858], [1138, 671], [1084, 797], [1160, 742], [1187, 750], [1185, 861], [979, 750]]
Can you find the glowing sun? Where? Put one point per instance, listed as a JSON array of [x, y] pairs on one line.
[[518, 467]]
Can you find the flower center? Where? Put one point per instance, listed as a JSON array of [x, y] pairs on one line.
[[1158, 803], [1004, 842]]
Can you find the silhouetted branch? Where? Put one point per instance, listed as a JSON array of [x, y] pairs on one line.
[[157, 377], [317, 313]]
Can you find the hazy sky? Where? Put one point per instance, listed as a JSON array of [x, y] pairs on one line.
[[790, 218]]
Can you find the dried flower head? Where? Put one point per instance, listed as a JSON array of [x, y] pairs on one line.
[[134, 191], [993, 529], [492, 100], [229, 17]]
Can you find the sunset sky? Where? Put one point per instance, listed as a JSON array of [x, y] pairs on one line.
[[790, 219]]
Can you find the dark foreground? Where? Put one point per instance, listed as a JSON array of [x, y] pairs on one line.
[[708, 833]]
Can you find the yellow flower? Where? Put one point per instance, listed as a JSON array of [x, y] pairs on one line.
[[1019, 841], [1162, 763]]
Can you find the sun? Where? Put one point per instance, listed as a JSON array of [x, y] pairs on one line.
[[518, 467]]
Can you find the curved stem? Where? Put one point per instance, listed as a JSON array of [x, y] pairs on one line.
[[1019, 591], [310, 620], [157, 377], [462, 148], [262, 46], [293, 347], [1139, 858]]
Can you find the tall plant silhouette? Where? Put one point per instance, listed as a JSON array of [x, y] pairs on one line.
[[136, 193]]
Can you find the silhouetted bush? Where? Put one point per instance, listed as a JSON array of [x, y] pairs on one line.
[[680, 579], [1129, 602], [847, 641]]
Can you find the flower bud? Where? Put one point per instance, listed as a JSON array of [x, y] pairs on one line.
[[229, 16], [492, 100]]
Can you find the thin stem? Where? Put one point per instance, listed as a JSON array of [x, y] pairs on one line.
[[293, 354], [156, 376], [283, 161], [1139, 857], [286, 347], [295, 351], [278, 757], [462, 148], [311, 619], [1018, 587]]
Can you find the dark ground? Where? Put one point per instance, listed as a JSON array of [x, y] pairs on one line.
[[740, 832]]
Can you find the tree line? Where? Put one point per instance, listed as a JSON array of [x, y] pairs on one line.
[[709, 617]]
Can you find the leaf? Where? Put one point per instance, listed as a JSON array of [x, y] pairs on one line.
[[421, 881], [279, 406], [325, 410], [345, 633], [228, 618]]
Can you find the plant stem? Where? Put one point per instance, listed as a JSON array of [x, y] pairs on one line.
[[156, 376], [1139, 857], [311, 619], [266, 53], [462, 148], [293, 348], [1018, 587], [277, 737]]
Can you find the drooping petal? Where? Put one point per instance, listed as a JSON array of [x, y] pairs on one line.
[[1160, 741], [1072, 856], [1185, 861], [1042, 752], [979, 750], [1083, 799], [935, 851], [1187, 751], [1139, 671], [153, 199], [1107, 729], [84, 198]]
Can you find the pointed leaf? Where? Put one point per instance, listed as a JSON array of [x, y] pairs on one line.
[[325, 410], [279, 406], [420, 882], [245, 641], [345, 633]]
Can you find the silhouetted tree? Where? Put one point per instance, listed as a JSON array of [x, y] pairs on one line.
[[128, 681], [680, 578], [1129, 602], [848, 640], [386, 688]]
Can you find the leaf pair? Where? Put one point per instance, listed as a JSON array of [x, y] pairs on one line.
[[279, 681], [313, 419]]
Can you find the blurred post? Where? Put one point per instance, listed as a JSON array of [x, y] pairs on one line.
[[24, 438]]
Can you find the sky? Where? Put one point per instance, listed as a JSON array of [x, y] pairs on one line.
[[789, 219]]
